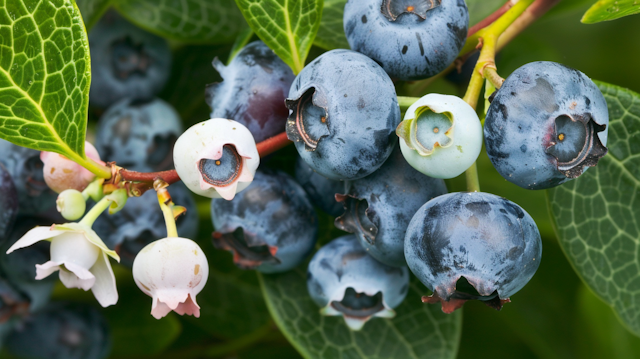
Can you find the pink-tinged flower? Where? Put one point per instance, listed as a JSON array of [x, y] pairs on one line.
[[216, 158], [172, 271], [80, 257], [61, 173]]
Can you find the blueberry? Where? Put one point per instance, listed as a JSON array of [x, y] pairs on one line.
[[546, 125], [62, 331], [378, 208], [475, 245], [410, 39], [270, 226], [320, 189], [440, 136], [12, 303], [141, 222], [253, 90], [343, 112], [126, 61], [344, 280], [8, 202], [19, 268], [25, 167], [139, 135]]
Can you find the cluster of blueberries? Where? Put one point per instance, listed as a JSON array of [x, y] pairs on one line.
[[545, 126]]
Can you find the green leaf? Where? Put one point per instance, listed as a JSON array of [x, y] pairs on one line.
[[418, 330], [288, 27], [605, 10], [331, 32], [44, 78], [188, 21], [92, 10], [597, 216]]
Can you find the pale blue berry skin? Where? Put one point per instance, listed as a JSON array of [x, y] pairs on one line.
[[139, 135], [393, 193], [25, 167], [114, 42], [62, 331], [487, 239], [520, 121], [344, 259], [408, 48], [254, 87], [8, 202], [321, 190], [274, 211], [361, 109], [141, 222]]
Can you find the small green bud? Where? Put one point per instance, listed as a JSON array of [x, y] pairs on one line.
[[71, 204]]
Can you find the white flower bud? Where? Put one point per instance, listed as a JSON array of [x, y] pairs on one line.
[[172, 271]]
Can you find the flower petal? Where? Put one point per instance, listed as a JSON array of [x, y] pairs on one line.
[[104, 289], [91, 237], [159, 310], [76, 277], [45, 270], [189, 307], [172, 297], [35, 235]]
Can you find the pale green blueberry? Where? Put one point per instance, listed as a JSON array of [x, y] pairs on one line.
[[440, 136], [204, 165], [71, 204], [80, 257], [172, 271]]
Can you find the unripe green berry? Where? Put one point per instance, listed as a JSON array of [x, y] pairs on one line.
[[71, 204]]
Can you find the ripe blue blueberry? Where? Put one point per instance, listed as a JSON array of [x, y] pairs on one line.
[[8, 202], [62, 331], [321, 190], [25, 167], [546, 125], [343, 113], [378, 208], [410, 39], [344, 280], [488, 240], [126, 61], [253, 90], [141, 222], [139, 135], [271, 226]]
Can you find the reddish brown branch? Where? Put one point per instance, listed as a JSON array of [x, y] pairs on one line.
[[272, 144], [145, 179]]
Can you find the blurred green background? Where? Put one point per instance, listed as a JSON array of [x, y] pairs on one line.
[[554, 316]]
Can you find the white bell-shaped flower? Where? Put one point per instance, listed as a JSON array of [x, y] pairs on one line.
[[80, 257], [172, 271]]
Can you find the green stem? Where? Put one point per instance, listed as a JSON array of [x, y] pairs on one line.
[[96, 211], [492, 75], [486, 61], [169, 220], [94, 167], [404, 102]]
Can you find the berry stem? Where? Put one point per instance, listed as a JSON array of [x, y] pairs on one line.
[[491, 74], [164, 200], [404, 102], [272, 144], [96, 211]]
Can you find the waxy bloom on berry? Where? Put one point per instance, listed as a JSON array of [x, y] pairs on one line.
[[172, 271], [80, 257], [61, 173], [216, 158]]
